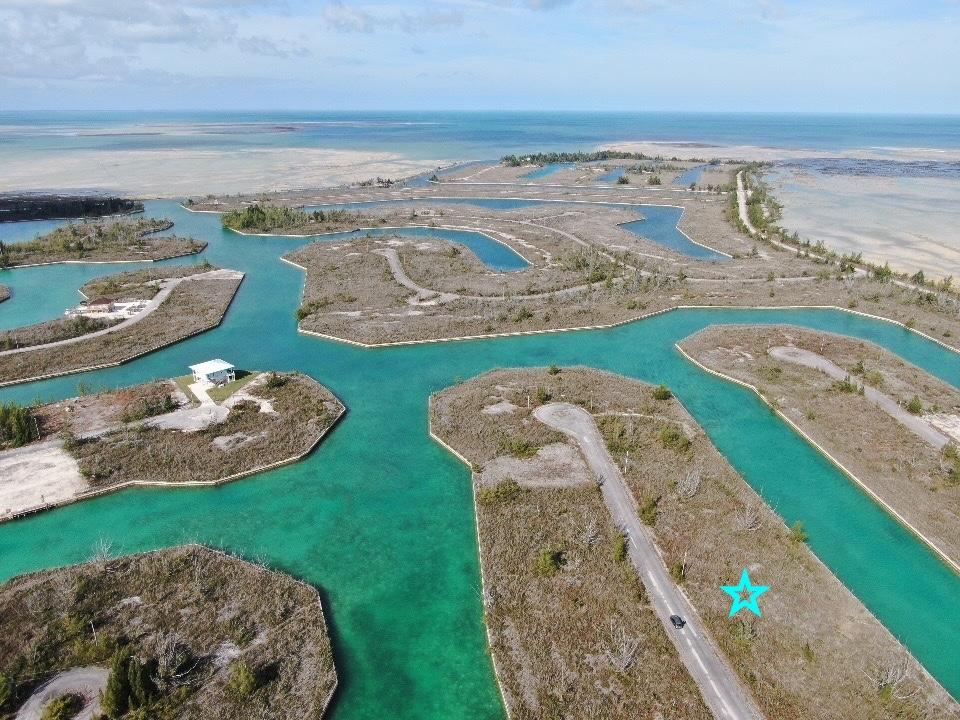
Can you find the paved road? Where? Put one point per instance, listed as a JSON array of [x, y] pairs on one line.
[[719, 685], [886, 403], [85, 681]]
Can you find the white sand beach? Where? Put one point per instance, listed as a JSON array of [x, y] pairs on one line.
[[178, 172]]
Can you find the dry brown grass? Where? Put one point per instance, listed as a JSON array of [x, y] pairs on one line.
[[92, 413], [305, 410], [192, 307], [908, 473], [796, 664], [139, 284], [52, 331], [221, 610], [103, 241]]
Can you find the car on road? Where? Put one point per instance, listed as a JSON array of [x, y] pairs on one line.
[[677, 621]]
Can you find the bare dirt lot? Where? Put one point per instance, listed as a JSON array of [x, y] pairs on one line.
[[919, 480], [709, 525], [183, 633]]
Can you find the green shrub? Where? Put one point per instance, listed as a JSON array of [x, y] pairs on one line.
[[543, 395], [62, 708], [7, 687], [662, 392], [648, 511], [678, 572], [554, 370], [846, 386], [674, 438], [116, 695], [243, 681], [505, 490], [797, 533], [915, 406], [623, 180], [275, 380], [548, 563], [519, 448], [17, 426], [620, 547]]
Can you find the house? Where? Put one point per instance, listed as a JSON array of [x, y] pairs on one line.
[[103, 305], [214, 371]]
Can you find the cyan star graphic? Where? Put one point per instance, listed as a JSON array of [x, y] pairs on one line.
[[737, 593]]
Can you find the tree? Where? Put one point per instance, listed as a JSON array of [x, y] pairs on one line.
[[6, 690], [116, 694]]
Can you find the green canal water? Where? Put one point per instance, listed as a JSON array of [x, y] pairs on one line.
[[380, 517]]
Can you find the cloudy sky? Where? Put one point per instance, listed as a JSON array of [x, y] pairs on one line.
[[777, 55]]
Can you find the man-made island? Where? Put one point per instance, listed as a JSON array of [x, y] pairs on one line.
[[164, 433], [167, 304], [188, 632], [101, 241], [890, 424], [587, 253], [571, 625]]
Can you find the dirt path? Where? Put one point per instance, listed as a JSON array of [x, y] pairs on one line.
[[918, 426], [85, 681], [719, 685]]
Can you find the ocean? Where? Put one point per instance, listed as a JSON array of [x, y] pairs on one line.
[[465, 136]]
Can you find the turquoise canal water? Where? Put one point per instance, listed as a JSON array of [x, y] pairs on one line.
[[690, 176], [611, 176], [381, 519], [546, 170]]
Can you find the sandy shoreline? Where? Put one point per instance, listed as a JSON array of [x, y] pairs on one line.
[[707, 150], [176, 173]]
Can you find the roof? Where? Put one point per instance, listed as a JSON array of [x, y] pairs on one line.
[[211, 366], [100, 301]]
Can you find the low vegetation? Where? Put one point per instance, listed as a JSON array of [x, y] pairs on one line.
[[548, 158], [17, 426], [278, 219], [101, 241], [913, 476], [193, 306], [709, 525], [42, 207], [300, 412], [185, 633], [140, 284]]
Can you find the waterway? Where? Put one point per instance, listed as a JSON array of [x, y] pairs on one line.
[[380, 517]]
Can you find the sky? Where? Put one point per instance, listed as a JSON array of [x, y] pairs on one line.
[[632, 55]]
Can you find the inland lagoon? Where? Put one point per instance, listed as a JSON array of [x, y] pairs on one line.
[[380, 517]]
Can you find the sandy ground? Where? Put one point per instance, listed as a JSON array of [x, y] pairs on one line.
[[555, 465], [914, 223], [37, 474], [176, 173], [685, 150]]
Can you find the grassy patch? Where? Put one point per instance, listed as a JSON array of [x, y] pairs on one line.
[[221, 393]]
